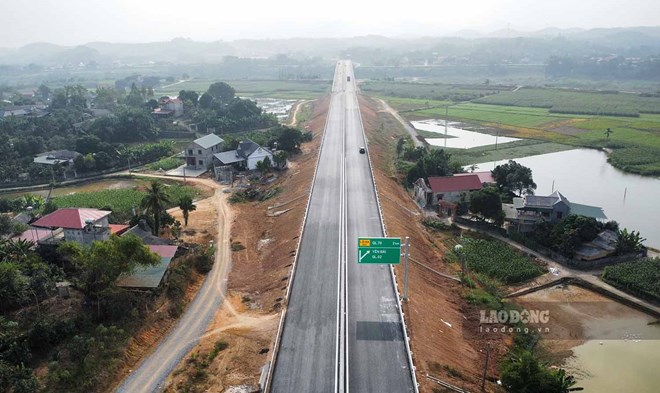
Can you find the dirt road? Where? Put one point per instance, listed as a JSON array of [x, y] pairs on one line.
[[153, 371]]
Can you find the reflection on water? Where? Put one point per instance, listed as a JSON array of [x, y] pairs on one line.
[[584, 176], [458, 138], [276, 106], [628, 364]]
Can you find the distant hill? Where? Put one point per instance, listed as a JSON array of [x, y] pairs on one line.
[[503, 44]]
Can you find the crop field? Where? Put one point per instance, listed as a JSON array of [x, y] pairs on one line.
[[120, 200], [576, 102], [516, 149], [634, 141], [499, 261], [640, 277], [429, 91], [257, 88]]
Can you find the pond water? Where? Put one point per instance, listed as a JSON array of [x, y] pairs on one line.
[[458, 138], [277, 106], [584, 176], [625, 360]]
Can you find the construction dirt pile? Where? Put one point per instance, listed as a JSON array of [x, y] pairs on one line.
[[435, 312], [264, 237]]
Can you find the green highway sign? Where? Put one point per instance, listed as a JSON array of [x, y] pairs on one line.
[[379, 250]]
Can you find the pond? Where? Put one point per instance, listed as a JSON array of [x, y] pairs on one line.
[[457, 138], [277, 106], [627, 361], [607, 346], [584, 176]]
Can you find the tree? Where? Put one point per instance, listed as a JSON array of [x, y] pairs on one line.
[[399, 146], [190, 95], [523, 373], [264, 165], [515, 178], [487, 203], [431, 163], [102, 262], [628, 242], [135, 97], [608, 132], [154, 202], [279, 158], [205, 101], [222, 92], [186, 205], [13, 286], [43, 91]]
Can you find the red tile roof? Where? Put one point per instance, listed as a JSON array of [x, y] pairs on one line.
[[117, 228], [455, 183], [484, 177], [34, 234], [70, 218]]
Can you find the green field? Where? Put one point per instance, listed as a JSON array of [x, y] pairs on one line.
[[635, 141], [120, 200], [429, 91], [257, 88], [499, 261], [516, 149], [640, 277], [576, 102]]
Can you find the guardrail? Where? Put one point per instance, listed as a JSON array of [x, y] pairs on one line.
[[406, 338]]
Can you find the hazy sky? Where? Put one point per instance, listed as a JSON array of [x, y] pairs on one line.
[[71, 22]]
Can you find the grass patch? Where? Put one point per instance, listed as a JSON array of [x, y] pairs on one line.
[[511, 150], [165, 164]]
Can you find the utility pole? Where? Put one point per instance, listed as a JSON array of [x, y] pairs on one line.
[[458, 249], [483, 377], [405, 269]]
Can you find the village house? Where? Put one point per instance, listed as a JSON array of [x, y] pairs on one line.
[[76, 224], [168, 107], [449, 189], [526, 211], [247, 155], [199, 153], [61, 158]]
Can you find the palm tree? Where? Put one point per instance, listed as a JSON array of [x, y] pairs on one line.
[[608, 132], [566, 383], [186, 205], [154, 202]]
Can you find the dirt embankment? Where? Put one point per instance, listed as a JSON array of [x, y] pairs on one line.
[[248, 319], [435, 312]]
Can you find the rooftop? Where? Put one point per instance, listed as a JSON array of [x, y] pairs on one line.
[[70, 218], [150, 276], [208, 140], [467, 182], [484, 177]]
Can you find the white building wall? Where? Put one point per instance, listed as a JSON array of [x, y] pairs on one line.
[[256, 156]]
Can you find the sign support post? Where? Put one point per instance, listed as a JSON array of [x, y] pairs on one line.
[[405, 269]]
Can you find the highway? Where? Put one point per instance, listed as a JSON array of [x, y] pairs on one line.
[[342, 331]]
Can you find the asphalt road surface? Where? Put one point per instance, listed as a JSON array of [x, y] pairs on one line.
[[318, 351]]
